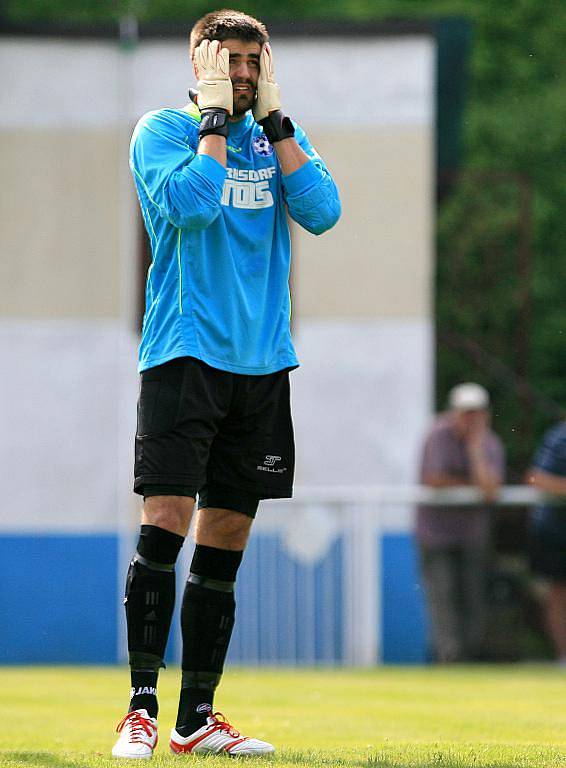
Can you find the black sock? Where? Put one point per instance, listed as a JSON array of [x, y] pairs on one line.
[[149, 601], [195, 705], [144, 691], [207, 620]]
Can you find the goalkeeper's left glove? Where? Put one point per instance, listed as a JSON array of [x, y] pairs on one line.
[[267, 107]]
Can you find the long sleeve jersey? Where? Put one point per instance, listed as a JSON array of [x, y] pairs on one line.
[[218, 285]]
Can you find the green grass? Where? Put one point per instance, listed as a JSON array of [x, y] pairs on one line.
[[408, 717]]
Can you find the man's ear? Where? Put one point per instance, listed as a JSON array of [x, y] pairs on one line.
[[195, 70]]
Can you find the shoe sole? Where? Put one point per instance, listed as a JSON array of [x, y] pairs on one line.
[[246, 755], [132, 757]]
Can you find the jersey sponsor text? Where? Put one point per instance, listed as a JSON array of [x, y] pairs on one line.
[[248, 188]]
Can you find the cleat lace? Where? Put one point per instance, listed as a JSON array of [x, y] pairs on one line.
[[138, 725], [221, 724]]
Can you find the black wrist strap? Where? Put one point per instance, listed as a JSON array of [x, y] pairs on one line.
[[277, 126], [213, 121]]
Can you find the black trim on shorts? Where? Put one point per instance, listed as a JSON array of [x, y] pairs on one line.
[[155, 489], [221, 497], [224, 497]]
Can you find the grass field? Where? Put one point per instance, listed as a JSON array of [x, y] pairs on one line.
[[462, 717]]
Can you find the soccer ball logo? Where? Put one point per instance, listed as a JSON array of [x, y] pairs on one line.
[[262, 146]]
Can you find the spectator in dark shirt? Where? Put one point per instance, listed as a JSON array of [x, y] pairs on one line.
[[460, 449], [548, 532]]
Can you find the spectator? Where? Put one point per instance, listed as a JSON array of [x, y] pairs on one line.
[[548, 532], [460, 449]]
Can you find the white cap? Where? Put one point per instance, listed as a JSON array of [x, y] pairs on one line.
[[468, 397]]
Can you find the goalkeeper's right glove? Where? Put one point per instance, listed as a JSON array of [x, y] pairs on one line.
[[214, 96]]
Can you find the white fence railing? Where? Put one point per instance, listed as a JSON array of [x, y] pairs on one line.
[[362, 516]]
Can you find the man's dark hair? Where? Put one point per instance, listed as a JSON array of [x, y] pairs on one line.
[[225, 24]]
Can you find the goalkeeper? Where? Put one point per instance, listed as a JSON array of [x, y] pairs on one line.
[[215, 182]]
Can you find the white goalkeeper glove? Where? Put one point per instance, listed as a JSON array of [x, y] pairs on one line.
[[214, 87], [268, 99], [267, 107]]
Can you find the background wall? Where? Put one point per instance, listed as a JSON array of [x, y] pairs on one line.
[[68, 282]]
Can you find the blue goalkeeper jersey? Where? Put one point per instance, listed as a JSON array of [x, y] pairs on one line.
[[218, 285]]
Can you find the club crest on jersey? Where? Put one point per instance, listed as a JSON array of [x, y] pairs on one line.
[[262, 146]]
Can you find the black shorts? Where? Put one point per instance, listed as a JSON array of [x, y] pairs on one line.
[[225, 436], [547, 544]]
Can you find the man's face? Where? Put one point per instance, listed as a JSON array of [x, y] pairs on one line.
[[244, 72], [470, 421]]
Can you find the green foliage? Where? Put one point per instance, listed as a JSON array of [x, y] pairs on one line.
[[515, 124], [62, 11]]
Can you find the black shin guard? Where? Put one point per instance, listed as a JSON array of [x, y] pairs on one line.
[[150, 597], [149, 601], [207, 620]]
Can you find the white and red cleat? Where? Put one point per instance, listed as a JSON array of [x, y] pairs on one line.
[[138, 736], [218, 737]]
